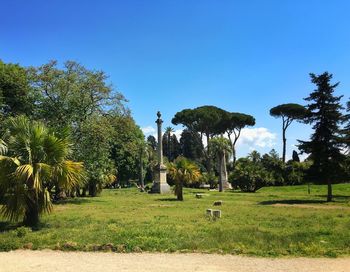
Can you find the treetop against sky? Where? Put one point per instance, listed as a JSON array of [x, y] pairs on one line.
[[242, 56]]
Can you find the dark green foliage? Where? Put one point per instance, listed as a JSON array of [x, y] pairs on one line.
[[274, 166], [152, 142], [175, 147], [16, 96], [249, 176], [103, 133], [191, 145], [295, 172], [206, 120], [93, 147], [326, 117], [234, 123], [70, 95], [346, 130], [209, 178], [171, 146], [125, 148], [210, 121], [288, 113], [295, 156], [151, 160]]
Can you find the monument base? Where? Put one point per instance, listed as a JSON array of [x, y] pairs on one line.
[[227, 185], [160, 188]]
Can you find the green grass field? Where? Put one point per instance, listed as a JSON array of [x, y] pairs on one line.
[[275, 221]]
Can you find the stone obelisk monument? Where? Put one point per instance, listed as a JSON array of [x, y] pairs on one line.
[[160, 185]]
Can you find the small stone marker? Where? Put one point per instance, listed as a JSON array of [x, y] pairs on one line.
[[216, 213], [199, 195], [204, 186], [218, 203], [209, 212]]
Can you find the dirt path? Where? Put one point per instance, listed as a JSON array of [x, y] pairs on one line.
[[55, 261]]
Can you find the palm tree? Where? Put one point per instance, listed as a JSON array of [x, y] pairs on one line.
[[182, 171], [33, 160], [221, 147], [254, 156]]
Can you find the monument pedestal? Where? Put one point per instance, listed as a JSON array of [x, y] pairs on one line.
[[227, 185], [160, 186]]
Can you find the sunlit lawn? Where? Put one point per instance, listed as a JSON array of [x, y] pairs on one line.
[[251, 223]]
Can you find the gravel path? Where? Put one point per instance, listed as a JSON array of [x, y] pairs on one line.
[[56, 261]]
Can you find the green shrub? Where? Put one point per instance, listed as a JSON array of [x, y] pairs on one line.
[[22, 231], [295, 172], [209, 178], [249, 176]]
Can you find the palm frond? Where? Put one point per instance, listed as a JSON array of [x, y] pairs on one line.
[[24, 172], [3, 147], [10, 160], [69, 174]]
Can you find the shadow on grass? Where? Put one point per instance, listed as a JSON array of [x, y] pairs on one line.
[[338, 198], [167, 199], [200, 192], [7, 226], [76, 201], [292, 201]]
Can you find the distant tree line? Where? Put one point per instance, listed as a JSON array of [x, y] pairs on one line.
[[327, 150]]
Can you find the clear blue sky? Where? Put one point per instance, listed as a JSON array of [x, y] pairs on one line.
[[245, 56]]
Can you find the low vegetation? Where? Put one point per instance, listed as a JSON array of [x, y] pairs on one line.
[[274, 221]]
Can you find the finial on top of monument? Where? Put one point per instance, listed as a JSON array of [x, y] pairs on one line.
[[159, 120]]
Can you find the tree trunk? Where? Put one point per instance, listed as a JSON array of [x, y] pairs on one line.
[[141, 182], [284, 145], [31, 215], [208, 155], [92, 190], [83, 194], [234, 155], [179, 194], [221, 173], [329, 193], [77, 191]]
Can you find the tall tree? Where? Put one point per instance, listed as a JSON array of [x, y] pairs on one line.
[[125, 151], [94, 148], [167, 146], [152, 142], [77, 97], [288, 113], [326, 117], [254, 156], [16, 95], [295, 156], [206, 120], [234, 124], [175, 147], [191, 145], [69, 95], [347, 129], [143, 156]]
